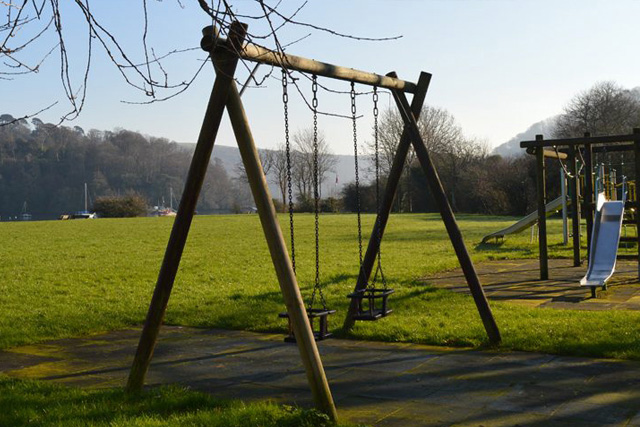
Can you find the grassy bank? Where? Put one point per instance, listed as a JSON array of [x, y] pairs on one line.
[[67, 278]]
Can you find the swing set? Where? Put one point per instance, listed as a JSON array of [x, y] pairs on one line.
[[367, 302], [371, 302]]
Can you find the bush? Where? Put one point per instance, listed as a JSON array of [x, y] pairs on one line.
[[120, 206], [331, 204]]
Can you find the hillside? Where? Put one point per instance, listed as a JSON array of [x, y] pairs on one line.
[[512, 148], [545, 127]]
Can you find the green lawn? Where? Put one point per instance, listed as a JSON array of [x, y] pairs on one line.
[[39, 403], [68, 278]]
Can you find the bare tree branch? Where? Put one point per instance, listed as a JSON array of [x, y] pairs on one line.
[[32, 22]]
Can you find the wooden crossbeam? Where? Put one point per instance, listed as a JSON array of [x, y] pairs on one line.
[[606, 139], [255, 53]]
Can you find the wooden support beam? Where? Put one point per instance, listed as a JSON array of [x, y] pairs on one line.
[[182, 223], [255, 53], [606, 139], [386, 204], [636, 151], [225, 92], [551, 154], [280, 257], [609, 148], [447, 217], [574, 194], [588, 189], [613, 148], [296, 309], [542, 211]]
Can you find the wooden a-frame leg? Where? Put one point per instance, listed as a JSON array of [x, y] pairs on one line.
[[225, 92], [387, 201], [280, 256], [182, 223], [447, 217]]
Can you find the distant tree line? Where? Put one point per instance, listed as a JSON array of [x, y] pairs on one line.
[[477, 182], [45, 166], [43, 169], [474, 180]]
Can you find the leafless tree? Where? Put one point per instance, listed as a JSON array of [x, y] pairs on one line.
[[441, 134], [605, 109], [266, 159], [303, 162], [437, 127], [454, 163], [278, 172], [32, 26]]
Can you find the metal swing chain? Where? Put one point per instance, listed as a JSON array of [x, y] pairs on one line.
[[378, 207], [564, 167], [355, 157], [317, 289], [285, 102]]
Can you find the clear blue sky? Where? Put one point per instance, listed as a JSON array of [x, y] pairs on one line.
[[498, 66]]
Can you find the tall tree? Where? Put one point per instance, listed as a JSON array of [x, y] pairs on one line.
[[303, 162], [604, 109], [442, 136], [278, 172], [47, 166]]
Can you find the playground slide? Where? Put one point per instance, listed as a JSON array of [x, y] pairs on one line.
[[604, 242], [525, 222]]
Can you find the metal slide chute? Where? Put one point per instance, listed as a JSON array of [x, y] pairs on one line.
[[525, 222], [604, 241]]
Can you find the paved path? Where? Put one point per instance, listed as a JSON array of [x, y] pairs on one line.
[[378, 384], [517, 281]]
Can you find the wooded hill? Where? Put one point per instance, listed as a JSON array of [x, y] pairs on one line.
[[45, 167]]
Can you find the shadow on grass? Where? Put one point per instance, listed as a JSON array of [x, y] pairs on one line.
[[501, 249], [24, 402], [435, 216], [38, 403]]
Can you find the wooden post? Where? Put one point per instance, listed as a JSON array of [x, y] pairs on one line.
[[182, 223], [563, 194], [448, 217], [280, 257], [542, 211], [574, 193], [636, 152], [588, 189], [386, 204]]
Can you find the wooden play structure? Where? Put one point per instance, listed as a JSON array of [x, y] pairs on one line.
[[225, 54], [575, 149]]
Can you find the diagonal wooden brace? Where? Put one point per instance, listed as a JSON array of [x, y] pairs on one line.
[[447, 217], [225, 93], [386, 203], [186, 210]]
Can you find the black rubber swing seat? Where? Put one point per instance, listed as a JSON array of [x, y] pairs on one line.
[[371, 303], [322, 331]]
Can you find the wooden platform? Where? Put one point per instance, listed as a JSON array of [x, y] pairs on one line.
[[517, 281]]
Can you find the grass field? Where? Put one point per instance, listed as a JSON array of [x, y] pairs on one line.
[[38, 403], [68, 278]]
